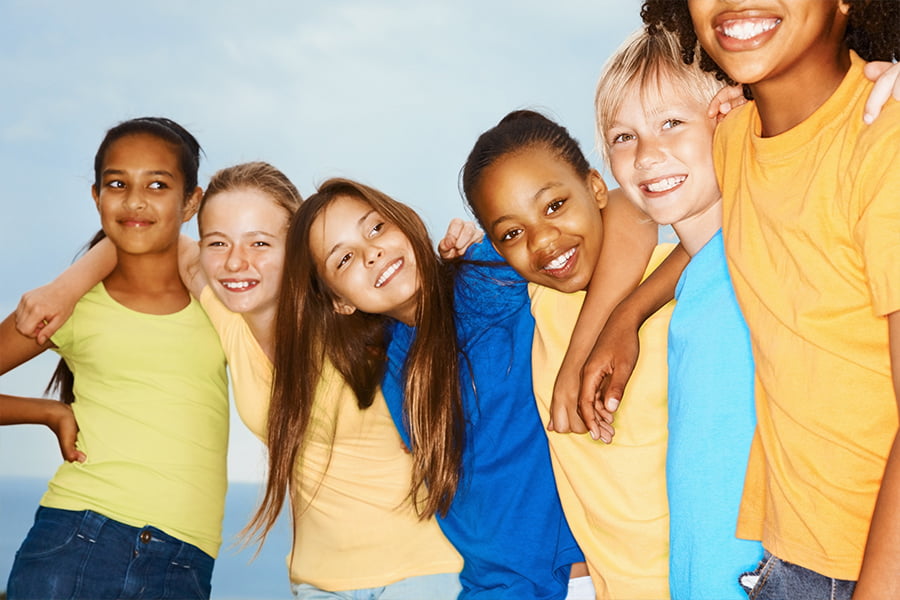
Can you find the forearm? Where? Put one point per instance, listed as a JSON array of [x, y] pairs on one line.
[[879, 576], [656, 290], [617, 272], [89, 270], [16, 410]]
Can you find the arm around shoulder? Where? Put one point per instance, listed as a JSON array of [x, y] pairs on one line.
[[43, 310]]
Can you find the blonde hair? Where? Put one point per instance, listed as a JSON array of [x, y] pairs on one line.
[[646, 59]]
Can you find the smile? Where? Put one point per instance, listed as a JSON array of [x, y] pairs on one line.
[[389, 272], [745, 29], [665, 184], [240, 286], [560, 261]]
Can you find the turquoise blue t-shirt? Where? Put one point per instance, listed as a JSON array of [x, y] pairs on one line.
[[505, 520], [711, 424]]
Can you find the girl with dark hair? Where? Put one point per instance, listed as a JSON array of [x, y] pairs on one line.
[[809, 198], [343, 469], [546, 212], [139, 512], [457, 378]]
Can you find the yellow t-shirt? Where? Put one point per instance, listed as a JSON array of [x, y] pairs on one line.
[[353, 526], [812, 236], [614, 496], [152, 411]]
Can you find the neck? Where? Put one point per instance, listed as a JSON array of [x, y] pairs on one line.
[[148, 283], [695, 231], [786, 100]]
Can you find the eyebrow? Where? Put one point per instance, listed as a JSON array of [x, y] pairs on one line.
[[548, 186], [359, 223], [243, 234], [107, 172]]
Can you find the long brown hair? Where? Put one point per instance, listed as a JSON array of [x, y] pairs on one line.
[[308, 330]]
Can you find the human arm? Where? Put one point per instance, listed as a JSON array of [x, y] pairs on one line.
[[628, 242], [613, 358], [459, 236], [726, 100], [43, 310], [15, 410], [887, 83], [193, 277], [879, 577]]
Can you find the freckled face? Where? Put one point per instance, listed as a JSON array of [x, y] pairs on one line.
[[366, 260], [542, 217], [660, 151], [141, 195], [242, 241], [763, 40]]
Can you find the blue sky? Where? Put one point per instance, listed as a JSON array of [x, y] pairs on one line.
[[393, 93]]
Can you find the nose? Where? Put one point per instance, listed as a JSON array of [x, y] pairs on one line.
[[372, 254], [134, 199], [648, 154], [542, 237], [236, 259]]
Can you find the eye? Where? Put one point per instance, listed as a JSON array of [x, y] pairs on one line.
[[344, 259], [376, 229], [260, 244], [622, 137], [555, 206], [215, 244], [510, 235], [671, 123], [116, 184], [158, 185]]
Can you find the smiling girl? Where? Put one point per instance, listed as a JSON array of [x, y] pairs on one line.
[[140, 513], [359, 267], [344, 469], [542, 207]]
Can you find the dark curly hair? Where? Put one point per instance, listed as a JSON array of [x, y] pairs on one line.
[[872, 30]]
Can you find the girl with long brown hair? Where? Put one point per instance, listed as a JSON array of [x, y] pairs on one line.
[[363, 288]]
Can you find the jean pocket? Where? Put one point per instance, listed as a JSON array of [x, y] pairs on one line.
[[754, 581], [190, 579], [52, 532]]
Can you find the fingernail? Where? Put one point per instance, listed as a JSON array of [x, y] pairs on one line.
[[867, 119], [594, 435], [612, 404]]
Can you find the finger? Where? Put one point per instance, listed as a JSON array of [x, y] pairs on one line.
[[607, 431], [884, 87], [586, 398], [48, 328]]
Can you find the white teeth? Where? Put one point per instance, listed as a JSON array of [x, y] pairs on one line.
[[388, 272], [747, 29], [666, 184], [560, 261], [236, 285]]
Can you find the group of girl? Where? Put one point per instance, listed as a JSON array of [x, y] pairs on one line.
[[401, 395]]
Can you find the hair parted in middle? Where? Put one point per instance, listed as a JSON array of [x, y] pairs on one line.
[[518, 130], [645, 59], [309, 331], [255, 175]]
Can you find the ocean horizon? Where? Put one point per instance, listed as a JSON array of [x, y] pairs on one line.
[[237, 574]]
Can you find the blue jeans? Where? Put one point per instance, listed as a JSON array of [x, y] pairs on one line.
[[775, 579], [81, 554], [444, 586]]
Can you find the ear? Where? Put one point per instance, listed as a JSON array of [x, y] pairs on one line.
[[96, 196], [844, 7], [598, 188], [343, 307], [191, 204]]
